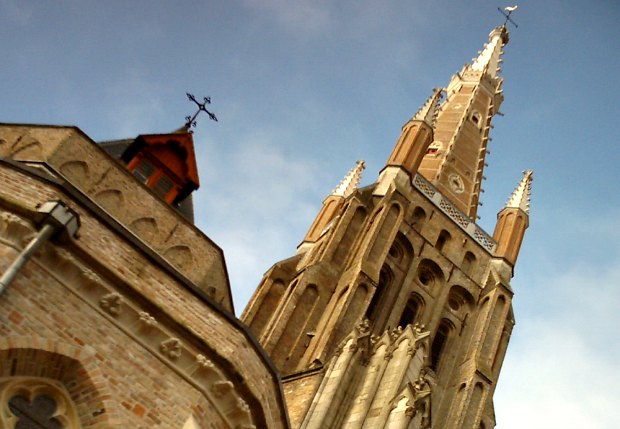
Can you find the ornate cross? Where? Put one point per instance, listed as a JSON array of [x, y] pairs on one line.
[[191, 120], [507, 12]]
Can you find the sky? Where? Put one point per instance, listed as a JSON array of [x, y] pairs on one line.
[[302, 89]]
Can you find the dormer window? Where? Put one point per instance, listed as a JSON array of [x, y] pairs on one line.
[[165, 163], [144, 170], [154, 177]]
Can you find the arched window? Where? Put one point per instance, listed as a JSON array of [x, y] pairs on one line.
[[418, 218], [429, 274], [442, 240], [385, 279], [36, 403], [442, 336], [459, 301], [468, 262], [401, 251], [268, 307], [412, 311]]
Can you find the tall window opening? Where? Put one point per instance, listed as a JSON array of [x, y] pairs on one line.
[[419, 218], [439, 343], [385, 278], [442, 240], [413, 310], [468, 262]]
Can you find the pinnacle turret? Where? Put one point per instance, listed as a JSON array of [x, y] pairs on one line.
[[350, 181], [429, 111], [520, 198]]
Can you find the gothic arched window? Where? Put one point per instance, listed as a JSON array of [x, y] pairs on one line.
[[385, 279], [442, 240], [468, 262], [418, 219], [412, 311], [438, 347], [36, 403]]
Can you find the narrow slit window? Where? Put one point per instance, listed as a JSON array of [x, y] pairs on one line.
[[439, 343]]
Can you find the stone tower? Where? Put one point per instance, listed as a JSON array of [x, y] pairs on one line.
[[395, 312]]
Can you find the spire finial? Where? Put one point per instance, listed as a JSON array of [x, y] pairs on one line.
[[351, 180], [507, 12], [428, 112], [520, 198], [489, 59], [191, 120]]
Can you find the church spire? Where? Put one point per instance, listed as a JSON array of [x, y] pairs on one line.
[[520, 198], [513, 220], [489, 59], [455, 160]]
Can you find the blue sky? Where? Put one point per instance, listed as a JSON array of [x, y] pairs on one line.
[[305, 88]]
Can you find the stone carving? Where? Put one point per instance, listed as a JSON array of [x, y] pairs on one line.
[[396, 333], [364, 327], [418, 328], [147, 319], [242, 406], [90, 275], [221, 388], [111, 303], [203, 362], [171, 348], [409, 411]]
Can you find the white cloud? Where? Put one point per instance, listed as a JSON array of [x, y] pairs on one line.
[[259, 209], [561, 369]]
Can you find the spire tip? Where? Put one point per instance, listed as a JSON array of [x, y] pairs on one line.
[[521, 196]]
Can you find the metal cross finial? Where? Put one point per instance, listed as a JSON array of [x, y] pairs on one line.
[[507, 12], [191, 120]]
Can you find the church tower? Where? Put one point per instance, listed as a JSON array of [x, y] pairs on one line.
[[395, 312]]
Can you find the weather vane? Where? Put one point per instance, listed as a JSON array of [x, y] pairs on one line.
[[507, 12], [191, 120]]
